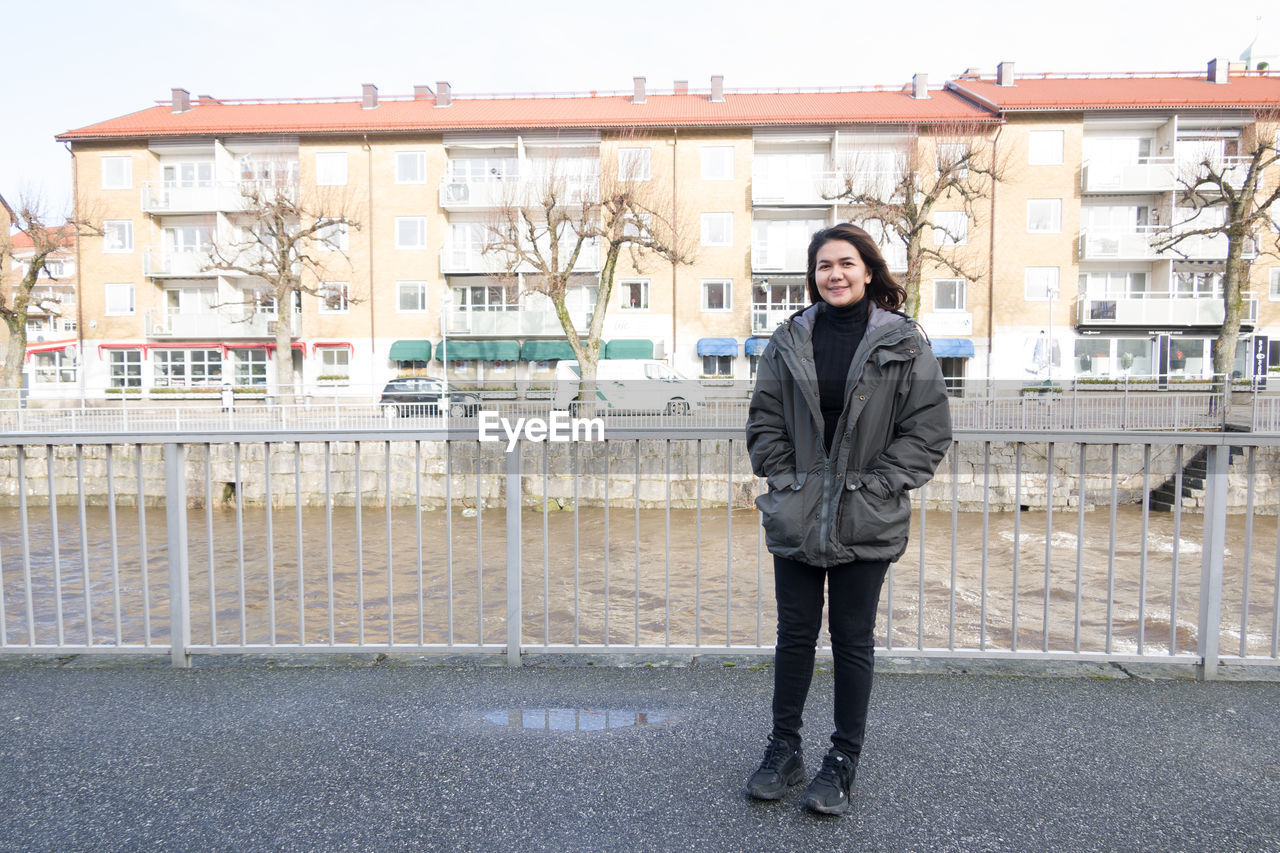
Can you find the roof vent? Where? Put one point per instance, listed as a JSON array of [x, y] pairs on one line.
[[1004, 74], [973, 72], [444, 94], [422, 93], [717, 88], [1219, 69], [368, 96], [682, 87], [181, 100], [920, 86], [637, 96], [206, 99]]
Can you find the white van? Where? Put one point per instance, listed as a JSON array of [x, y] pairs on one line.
[[632, 385]]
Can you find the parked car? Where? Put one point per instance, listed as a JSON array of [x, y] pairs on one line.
[[413, 395], [631, 385]]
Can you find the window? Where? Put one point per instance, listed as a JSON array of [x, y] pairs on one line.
[[56, 268], [35, 325], [411, 232], [633, 164], [951, 228], [948, 294], [117, 235], [1039, 283], [717, 163], [332, 237], [187, 368], [251, 368], [411, 167], [335, 362], [635, 295], [333, 297], [126, 368], [637, 224], [1273, 290], [68, 325], [188, 239], [411, 297], [55, 366], [331, 170], [717, 294], [953, 158], [197, 173], [1044, 215], [1044, 147], [117, 173], [717, 229], [119, 300], [717, 365]]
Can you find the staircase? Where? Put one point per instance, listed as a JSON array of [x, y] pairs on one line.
[[1194, 471]]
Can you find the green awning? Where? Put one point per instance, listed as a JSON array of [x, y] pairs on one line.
[[628, 348], [410, 350], [479, 351], [545, 350]]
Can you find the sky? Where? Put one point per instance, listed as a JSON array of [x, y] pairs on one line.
[[93, 61]]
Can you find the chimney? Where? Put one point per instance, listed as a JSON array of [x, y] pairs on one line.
[[206, 99], [717, 88], [422, 93], [1004, 74], [1219, 70], [920, 85], [638, 96], [444, 94], [368, 97], [682, 87], [181, 100]]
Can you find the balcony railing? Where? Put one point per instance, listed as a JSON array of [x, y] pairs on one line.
[[1153, 174], [766, 318], [218, 323], [483, 323], [1140, 244], [776, 257], [455, 259], [481, 194], [1233, 171], [163, 263], [1157, 309], [162, 197]]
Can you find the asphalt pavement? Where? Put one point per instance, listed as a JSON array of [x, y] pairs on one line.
[[391, 756]]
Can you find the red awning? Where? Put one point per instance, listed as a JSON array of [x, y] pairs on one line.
[[49, 347], [332, 344]]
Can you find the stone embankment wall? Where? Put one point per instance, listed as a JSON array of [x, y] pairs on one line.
[[675, 468]]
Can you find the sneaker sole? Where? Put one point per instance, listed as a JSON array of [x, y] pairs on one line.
[[815, 806], [759, 793]]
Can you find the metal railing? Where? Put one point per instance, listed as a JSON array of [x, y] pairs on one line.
[[340, 542]]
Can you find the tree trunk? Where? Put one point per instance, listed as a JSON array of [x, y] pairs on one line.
[[285, 391], [15, 353], [912, 279], [1224, 356]]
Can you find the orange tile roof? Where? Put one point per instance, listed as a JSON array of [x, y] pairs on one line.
[[1250, 91], [513, 113], [21, 240]]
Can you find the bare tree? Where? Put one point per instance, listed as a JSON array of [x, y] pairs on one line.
[[1226, 198], [939, 168], [18, 296], [552, 221], [291, 242]]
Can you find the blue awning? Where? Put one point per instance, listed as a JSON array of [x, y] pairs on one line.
[[755, 346], [953, 348], [718, 346]]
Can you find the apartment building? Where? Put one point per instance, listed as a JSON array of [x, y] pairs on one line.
[[1058, 274]]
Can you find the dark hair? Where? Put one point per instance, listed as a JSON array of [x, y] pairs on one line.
[[883, 289]]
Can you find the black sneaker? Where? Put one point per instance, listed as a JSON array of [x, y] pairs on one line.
[[783, 766], [828, 793]]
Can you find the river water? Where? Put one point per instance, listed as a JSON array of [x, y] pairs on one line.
[[677, 578]]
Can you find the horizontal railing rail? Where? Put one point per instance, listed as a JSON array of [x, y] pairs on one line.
[[1103, 546]]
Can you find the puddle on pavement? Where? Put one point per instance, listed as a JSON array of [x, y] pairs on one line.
[[573, 719]]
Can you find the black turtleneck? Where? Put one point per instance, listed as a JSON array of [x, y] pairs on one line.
[[837, 332]]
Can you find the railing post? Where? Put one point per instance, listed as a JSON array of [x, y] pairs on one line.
[[514, 538], [175, 511], [1213, 544]]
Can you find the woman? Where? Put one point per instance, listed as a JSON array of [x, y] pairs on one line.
[[849, 413]]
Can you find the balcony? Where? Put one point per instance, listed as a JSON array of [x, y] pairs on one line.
[[1157, 309], [217, 324], [766, 318], [1232, 169], [464, 259], [1139, 245], [815, 189], [486, 194], [773, 257], [160, 197], [467, 322], [160, 263], [1152, 174]]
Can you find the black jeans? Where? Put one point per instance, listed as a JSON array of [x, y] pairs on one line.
[[854, 594]]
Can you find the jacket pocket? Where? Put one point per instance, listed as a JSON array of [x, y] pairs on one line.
[[783, 511], [871, 514]]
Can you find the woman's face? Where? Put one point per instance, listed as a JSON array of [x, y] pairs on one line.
[[840, 274]]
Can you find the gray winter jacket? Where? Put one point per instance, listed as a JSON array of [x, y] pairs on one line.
[[896, 426]]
